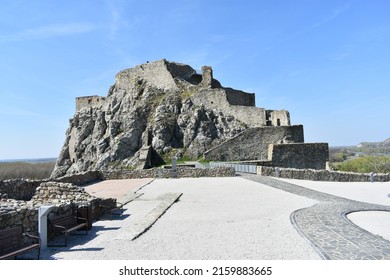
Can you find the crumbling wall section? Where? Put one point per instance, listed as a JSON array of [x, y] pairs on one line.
[[277, 118], [241, 98], [253, 143], [217, 99], [19, 189], [86, 102], [65, 197]]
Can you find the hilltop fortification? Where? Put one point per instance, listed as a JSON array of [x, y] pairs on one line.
[[160, 109]]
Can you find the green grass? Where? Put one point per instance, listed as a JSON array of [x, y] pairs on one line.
[[203, 160]]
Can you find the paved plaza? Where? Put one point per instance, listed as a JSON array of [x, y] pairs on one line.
[[242, 217]]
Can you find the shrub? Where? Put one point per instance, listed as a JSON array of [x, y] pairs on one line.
[[367, 164]]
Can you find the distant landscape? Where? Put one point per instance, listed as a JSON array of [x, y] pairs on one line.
[[363, 158], [26, 168]]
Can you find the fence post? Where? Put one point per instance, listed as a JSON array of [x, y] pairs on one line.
[[174, 168]]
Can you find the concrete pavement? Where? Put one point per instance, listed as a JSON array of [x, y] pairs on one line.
[[246, 217]]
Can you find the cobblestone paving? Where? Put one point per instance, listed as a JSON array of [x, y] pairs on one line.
[[326, 227]]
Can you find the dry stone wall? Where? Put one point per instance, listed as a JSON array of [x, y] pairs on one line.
[[64, 196], [319, 175], [20, 213], [182, 172], [20, 189]]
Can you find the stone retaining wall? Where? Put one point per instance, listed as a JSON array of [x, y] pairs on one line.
[[320, 175], [182, 172]]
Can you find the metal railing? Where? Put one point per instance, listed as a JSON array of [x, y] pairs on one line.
[[238, 167]]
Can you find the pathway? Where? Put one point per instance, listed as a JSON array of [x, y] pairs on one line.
[[326, 227]]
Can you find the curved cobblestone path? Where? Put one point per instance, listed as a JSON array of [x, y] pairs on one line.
[[326, 227]]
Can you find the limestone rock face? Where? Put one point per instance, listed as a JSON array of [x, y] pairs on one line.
[[163, 105]]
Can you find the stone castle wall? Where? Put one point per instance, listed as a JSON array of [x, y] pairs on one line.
[[299, 155], [93, 101], [253, 143], [240, 98], [277, 118], [217, 99]]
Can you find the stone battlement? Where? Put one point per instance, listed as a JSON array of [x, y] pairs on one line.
[[92, 101]]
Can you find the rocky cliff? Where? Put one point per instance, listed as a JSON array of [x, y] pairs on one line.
[[154, 111]]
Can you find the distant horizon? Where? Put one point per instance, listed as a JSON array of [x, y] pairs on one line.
[[54, 158], [39, 159]]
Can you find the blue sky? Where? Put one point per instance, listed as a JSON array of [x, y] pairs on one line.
[[326, 61]]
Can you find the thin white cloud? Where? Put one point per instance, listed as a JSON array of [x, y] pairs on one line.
[[333, 15], [49, 30], [117, 20]]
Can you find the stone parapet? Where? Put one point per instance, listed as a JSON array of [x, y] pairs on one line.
[[182, 172], [320, 175]]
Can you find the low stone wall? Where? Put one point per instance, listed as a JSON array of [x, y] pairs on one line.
[[24, 189], [319, 175], [82, 178], [20, 189], [17, 212], [182, 172], [65, 197]]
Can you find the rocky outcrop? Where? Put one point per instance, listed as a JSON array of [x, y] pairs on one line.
[[162, 105]]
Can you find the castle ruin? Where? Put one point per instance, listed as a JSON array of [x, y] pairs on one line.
[[160, 109]]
